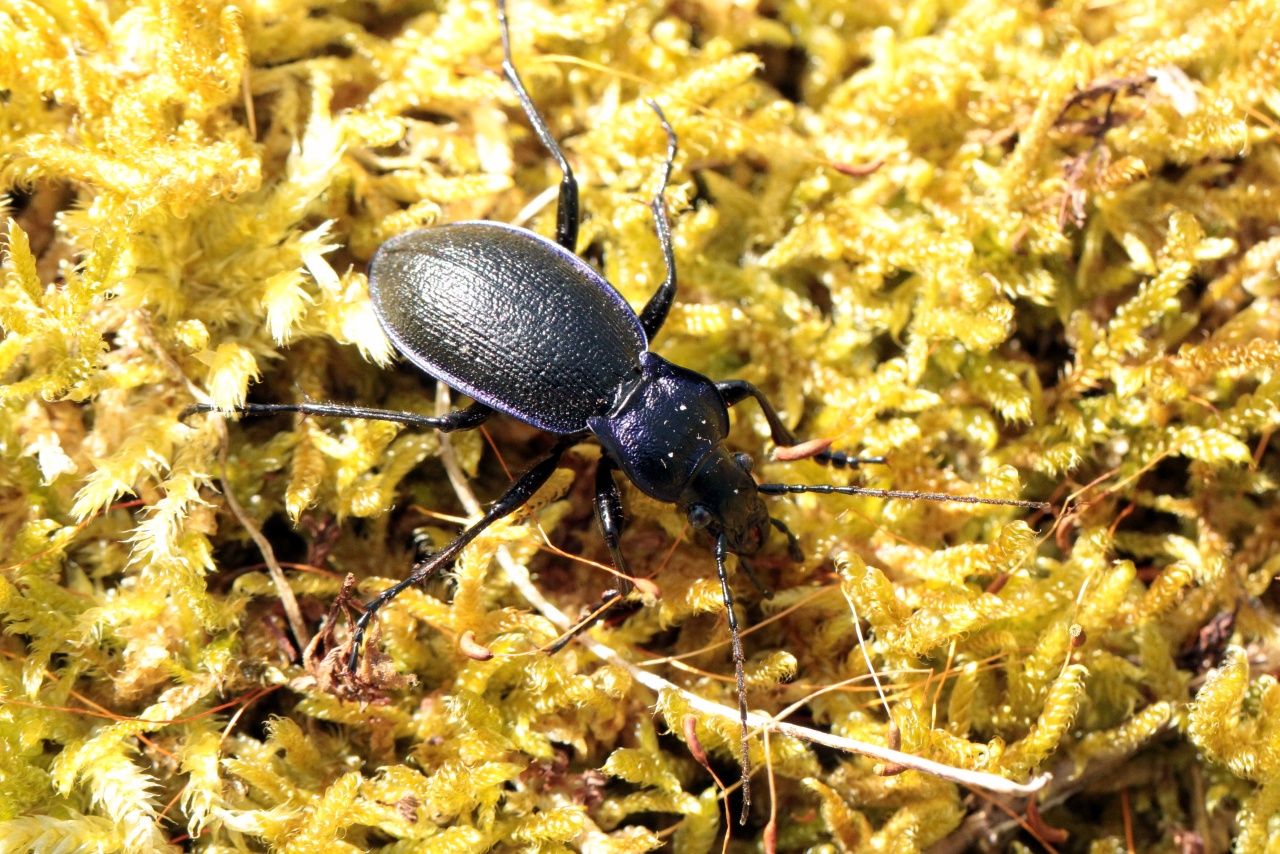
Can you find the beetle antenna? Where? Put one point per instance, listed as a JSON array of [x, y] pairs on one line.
[[823, 489], [739, 671]]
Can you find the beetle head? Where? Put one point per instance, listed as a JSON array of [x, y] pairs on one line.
[[721, 498]]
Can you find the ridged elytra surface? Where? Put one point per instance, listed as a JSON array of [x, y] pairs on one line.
[[509, 318]]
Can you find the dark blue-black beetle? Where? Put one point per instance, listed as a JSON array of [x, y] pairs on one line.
[[525, 327]]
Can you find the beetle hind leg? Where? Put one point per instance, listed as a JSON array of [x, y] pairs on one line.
[[655, 311], [467, 418], [567, 214], [516, 496]]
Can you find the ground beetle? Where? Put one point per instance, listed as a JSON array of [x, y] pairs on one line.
[[525, 327]]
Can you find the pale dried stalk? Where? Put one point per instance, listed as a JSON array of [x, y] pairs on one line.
[[287, 600]]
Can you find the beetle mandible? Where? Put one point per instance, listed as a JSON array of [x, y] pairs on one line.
[[523, 326]]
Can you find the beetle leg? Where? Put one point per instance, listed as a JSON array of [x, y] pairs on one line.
[[750, 572], [655, 311], [467, 418], [736, 391], [514, 498], [793, 542], [739, 671], [609, 515], [611, 600], [567, 210]]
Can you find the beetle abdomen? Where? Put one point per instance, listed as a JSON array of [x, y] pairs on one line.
[[509, 318]]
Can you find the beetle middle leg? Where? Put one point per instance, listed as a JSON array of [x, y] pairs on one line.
[[611, 600], [516, 496], [567, 216], [609, 514]]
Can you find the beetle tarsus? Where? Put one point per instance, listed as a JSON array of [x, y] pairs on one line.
[[736, 391], [841, 460], [611, 600]]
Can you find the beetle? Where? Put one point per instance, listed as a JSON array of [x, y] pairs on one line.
[[524, 327]]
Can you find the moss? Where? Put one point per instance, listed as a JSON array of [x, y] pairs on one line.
[[1020, 251]]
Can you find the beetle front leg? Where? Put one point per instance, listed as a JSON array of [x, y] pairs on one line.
[[567, 216], [736, 391], [793, 542], [750, 572], [516, 496]]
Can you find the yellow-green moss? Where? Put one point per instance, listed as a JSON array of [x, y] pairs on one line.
[[1021, 251]]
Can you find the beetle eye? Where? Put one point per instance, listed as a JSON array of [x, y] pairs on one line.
[[699, 516], [744, 462]]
